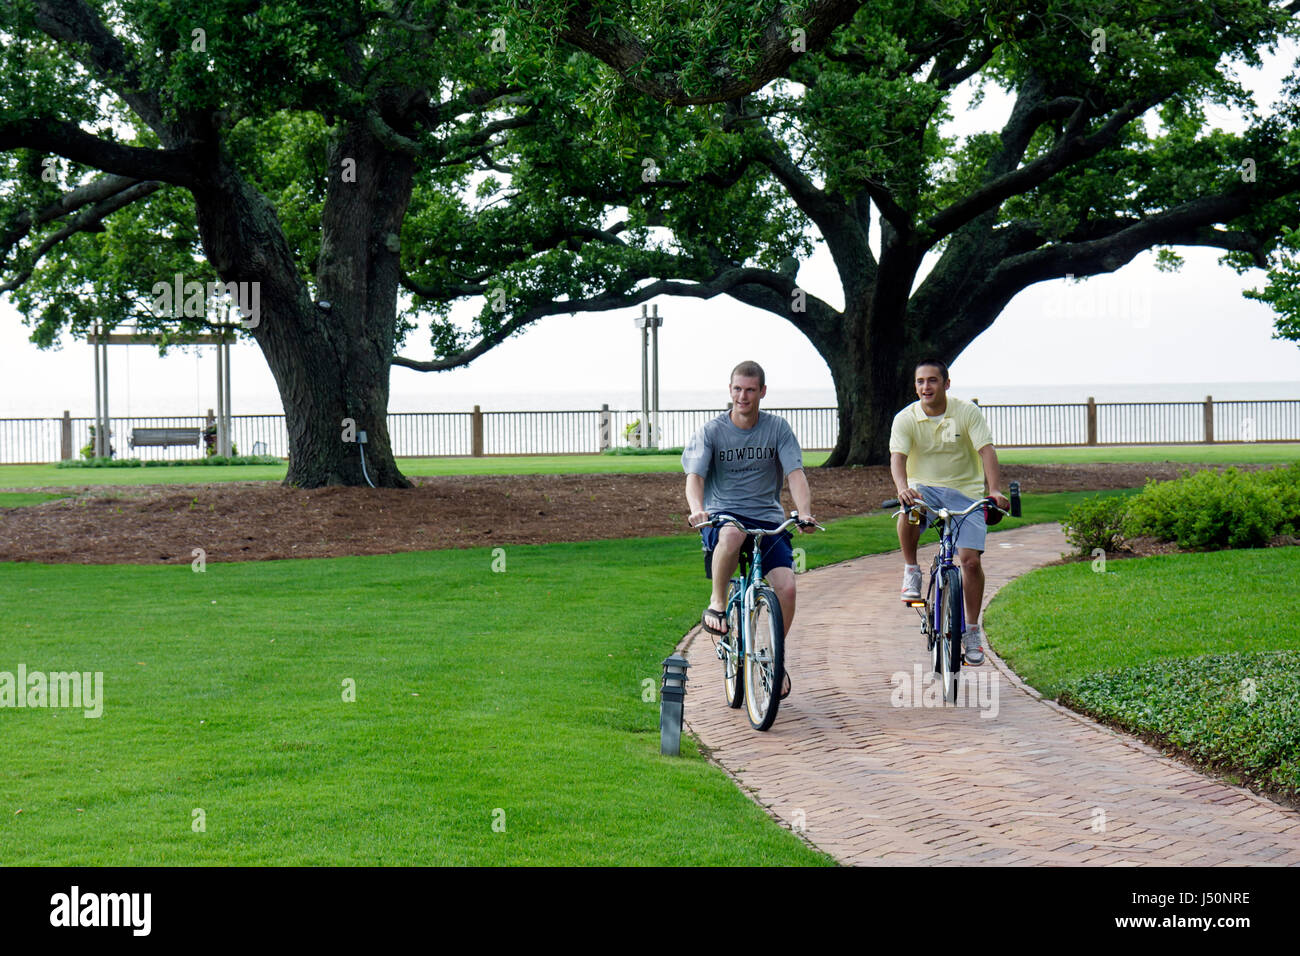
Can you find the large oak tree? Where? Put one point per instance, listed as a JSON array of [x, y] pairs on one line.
[[321, 152], [327, 155], [1107, 149]]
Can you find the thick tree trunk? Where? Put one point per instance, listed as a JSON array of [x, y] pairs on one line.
[[871, 363], [330, 362], [869, 394], [328, 403]]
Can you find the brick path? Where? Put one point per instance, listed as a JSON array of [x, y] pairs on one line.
[[1009, 779]]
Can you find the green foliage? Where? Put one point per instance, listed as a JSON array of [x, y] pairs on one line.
[[101, 462], [633, 450], [1097, 522], [1213, 509], [1281, 292], [1234, 712]]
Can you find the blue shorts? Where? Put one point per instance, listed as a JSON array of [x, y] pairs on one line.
[[776, 549], [970, 530]]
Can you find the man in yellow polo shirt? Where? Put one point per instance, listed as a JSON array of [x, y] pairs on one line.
[[941, 451]]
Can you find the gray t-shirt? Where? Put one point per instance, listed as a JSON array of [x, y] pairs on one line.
[[744, 469]]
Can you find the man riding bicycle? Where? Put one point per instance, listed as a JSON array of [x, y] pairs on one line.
[[941, 452], [735, 464]]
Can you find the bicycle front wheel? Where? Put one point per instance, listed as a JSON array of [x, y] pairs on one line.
[[764, 659], [950, 634], [731, 651]]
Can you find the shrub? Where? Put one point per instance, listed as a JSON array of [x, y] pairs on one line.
[[1227, 509], [1096, 522], [169, 463]]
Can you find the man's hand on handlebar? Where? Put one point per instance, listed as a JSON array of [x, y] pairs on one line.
[[909, 497], [698, 518], [1001, 500]]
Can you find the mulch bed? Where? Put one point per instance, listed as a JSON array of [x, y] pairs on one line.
[[254, 521]]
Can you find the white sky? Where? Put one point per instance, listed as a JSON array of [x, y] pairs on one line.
[[1134, 327]]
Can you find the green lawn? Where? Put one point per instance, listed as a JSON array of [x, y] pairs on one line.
[[1235, 454], [1060, 623], [20, 499], [476, 692], [48, 476], [481, 698]]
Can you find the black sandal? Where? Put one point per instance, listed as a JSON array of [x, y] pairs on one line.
[[717, 616], [785, 685]]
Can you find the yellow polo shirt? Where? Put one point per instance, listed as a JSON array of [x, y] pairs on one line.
[[944, 452]]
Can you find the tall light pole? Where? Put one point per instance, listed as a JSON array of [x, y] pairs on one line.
[[649, 326]]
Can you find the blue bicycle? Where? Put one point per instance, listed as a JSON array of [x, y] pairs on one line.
[[752, 651], [942, 610]]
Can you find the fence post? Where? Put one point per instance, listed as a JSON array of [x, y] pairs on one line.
[[1209, 420], [476, 433], [65, 439], [604, 427], [1092, 420]]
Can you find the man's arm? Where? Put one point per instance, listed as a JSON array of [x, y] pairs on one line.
[[695, 498], [993, 475], [802, 496], [898, 471]]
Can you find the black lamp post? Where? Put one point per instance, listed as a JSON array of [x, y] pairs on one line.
[[672, 697]]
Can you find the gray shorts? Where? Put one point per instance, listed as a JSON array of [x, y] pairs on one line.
[[971, 529]]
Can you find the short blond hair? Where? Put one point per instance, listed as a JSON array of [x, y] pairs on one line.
[[749, 370]]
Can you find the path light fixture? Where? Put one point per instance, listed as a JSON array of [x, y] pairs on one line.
[[672, 698]]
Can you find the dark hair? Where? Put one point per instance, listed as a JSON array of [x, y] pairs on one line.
[[749, 370], [943, 369]]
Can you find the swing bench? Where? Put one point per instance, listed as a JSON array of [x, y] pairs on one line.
[[165, 437]]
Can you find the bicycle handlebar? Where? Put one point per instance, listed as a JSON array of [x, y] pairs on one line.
[[985, 502], [718, 520], [979, 503]]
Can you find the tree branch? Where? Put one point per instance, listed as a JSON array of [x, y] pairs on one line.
[[92, 192], [88, 219], [724, 282], [623, 50], [71, 142], [77, 26], [1069, 150]]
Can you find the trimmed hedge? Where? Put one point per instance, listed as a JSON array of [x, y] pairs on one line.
[[178, 463]]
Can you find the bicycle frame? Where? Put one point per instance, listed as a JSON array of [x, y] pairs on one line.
[[752, 663], [931, 609], [942, 561], [749, 578]]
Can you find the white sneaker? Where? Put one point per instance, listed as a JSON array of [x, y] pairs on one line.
[[972, 646], [911, 584]]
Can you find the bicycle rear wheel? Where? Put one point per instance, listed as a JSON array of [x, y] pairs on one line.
[[764, 659], [950, 634], [731, 652]]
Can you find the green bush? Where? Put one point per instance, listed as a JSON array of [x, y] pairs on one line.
[[1231, 711], [631, 450], [1096, 522], [164, 463], [1209, 509]]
